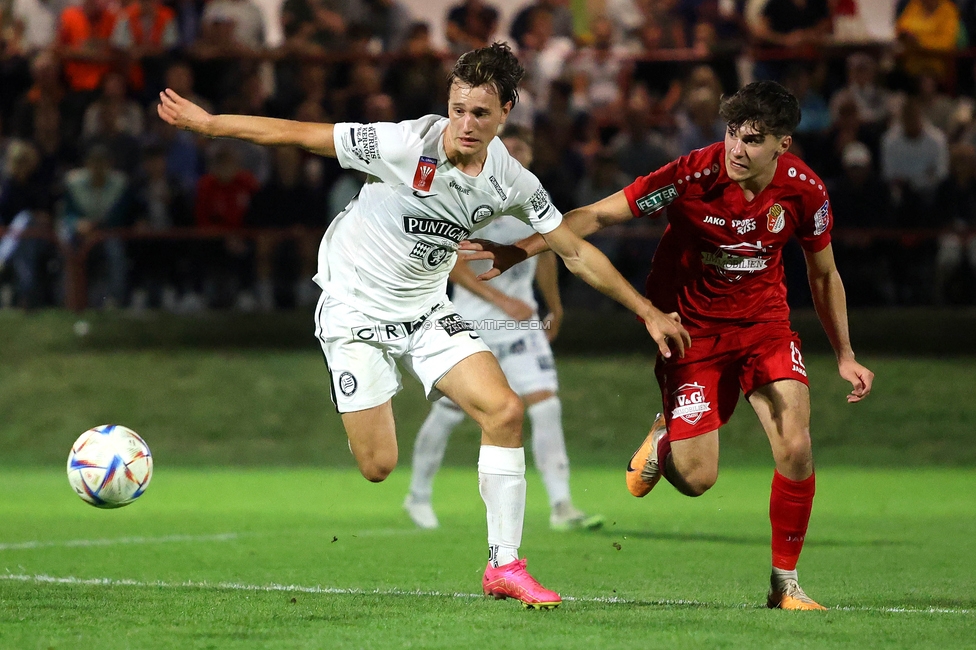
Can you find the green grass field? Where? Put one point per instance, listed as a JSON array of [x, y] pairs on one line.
[[258, 532]]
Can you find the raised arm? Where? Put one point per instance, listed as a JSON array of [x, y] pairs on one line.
[[583, 221], [547, 279], [184, 114], [830, 302], [462, 275], [587, 262]]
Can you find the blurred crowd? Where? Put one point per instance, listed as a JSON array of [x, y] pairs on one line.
[[610, 94]]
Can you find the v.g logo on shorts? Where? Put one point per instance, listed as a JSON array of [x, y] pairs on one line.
[[689, 403]]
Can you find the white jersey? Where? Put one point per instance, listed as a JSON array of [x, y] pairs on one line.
[[516, 282], [388, 254]]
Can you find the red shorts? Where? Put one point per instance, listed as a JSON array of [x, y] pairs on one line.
[[700, 391]]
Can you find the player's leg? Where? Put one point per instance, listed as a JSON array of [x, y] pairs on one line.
[[699, 394], [428, 453], [530, 368], [372, 440], [775, 383], [477, 385]]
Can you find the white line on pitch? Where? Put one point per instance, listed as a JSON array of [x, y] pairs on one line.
[[236, 586], [22, 546]]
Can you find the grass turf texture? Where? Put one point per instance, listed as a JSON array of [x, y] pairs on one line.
[[688, 572]]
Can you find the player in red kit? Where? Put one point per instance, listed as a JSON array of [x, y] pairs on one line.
[[731, 207]]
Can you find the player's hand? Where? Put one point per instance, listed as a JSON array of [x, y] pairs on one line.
[[182, 113], [502, 257], [517, 309], [860, 377], [667, 332], [551, 324]]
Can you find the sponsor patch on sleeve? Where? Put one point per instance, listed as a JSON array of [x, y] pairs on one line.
[[424, 175], [540, 204], [657, 199], [821, 219], [363, 143]]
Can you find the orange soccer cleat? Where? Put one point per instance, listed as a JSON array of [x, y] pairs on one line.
[[787, 594], [643, 471], [513, 581]]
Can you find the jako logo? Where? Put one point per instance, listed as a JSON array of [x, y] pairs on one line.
[[715, 221]]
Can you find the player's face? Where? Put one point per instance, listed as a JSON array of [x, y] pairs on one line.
[[750, 155], [476, 114]]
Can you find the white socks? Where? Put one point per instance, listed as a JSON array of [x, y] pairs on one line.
[[428, 450], [501, 480], [549, 448]]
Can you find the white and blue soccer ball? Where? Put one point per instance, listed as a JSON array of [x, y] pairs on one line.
[[110, 466]]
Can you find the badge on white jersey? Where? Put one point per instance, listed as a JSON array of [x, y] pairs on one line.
[[424, 176]]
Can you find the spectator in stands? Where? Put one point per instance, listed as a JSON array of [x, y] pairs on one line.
[[873, 101], [57, 151], [96, 198], [24, 203], [699, 125], [389, 22], [938, 108], [793, 23], [543, 54], [470, 25], [189, 15], [638, 147], [160, 204], [664, 27], [598, 74], [47, 90], [223, 198], [414, 78], [815, 116], [861, 200], [179, 77], [35, 28], [145, 31], [562, 20], [914, 161], [627, 19], [287, 203], [83, 39], [113, 111], [312, 26], [245, 19], [955, 210], [928, 25]]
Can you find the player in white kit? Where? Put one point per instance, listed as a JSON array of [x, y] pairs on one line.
[[505, 313], [383, 266]]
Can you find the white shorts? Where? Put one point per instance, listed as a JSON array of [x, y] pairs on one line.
[[527, 362], [361, 352]]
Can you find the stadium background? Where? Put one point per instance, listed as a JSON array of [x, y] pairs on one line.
[[182, 310]]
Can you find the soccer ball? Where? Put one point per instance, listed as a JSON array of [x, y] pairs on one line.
[[109, 466]]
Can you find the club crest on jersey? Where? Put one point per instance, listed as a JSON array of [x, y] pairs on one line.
[[429, 255], [735, 260], [689, 403], [776, 218], [821, 219], [657, 199], [481, 213], [424, 175]]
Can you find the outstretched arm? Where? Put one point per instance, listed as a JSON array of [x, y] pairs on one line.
[[184, 114], [587, 262], [583, 221], [463, 275], [831, 305]]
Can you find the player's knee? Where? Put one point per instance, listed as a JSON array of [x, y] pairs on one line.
[[700, 482], [510, 413], [376, 467], [796, 451]]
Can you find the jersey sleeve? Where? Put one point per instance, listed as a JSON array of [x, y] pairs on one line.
[[382, 149], [649, 194], [531, 204], [814, 228]]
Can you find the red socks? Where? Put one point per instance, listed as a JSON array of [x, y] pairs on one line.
[[790, 503]]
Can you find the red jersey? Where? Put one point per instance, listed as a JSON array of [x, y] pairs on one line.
[[720, 262], [224, 205]]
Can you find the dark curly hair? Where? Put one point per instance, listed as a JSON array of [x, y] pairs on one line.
[[766, 106], [495, 65]]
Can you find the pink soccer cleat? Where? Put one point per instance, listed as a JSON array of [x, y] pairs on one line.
[[513, 581]]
